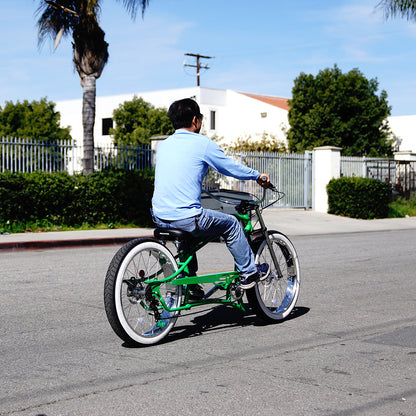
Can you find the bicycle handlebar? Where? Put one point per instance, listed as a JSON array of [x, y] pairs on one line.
[[270, 185], [253, 202]]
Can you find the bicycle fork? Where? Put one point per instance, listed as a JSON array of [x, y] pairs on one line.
[[269, 242]]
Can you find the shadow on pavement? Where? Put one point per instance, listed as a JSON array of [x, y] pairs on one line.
[[219, 318]]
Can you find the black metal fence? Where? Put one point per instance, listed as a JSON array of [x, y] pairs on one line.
[[399, 173], [292, 173], [28, 155]]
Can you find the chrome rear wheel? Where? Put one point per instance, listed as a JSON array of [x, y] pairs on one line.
[[134, 312]]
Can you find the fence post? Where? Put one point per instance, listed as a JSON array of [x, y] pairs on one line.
[[405, 156], [306, 179], [327, 165]]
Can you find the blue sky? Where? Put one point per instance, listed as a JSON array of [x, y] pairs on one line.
[[258, 47]]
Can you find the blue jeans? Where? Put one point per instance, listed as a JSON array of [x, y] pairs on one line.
[[211, 224]]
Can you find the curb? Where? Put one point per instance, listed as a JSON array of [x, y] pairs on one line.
[[20, 245]]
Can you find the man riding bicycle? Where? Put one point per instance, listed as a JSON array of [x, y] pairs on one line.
[[182, 161]]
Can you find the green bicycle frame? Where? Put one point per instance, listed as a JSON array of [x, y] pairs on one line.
[[221, 280]]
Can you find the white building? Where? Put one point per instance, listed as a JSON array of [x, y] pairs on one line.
[[227, 114], [404, 127]]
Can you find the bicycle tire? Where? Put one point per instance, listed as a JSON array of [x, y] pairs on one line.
[[125, 300], [274, 298]]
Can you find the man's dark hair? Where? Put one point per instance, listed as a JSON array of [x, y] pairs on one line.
[[182, 112]]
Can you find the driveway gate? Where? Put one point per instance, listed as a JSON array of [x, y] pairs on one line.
[[291, 173]]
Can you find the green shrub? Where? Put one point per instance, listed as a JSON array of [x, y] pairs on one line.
[[110, 196], [402, 207], [359, 197]]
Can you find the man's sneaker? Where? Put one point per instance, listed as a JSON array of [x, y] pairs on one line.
[[263, 271], [164, 316], [196, 292]]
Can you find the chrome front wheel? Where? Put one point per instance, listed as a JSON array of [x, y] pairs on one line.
[[274, 298]]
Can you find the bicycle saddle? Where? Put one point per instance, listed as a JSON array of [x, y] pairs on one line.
[[172, 234]]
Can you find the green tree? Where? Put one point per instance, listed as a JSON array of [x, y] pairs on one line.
[[265, 143], [80, 18], [36, 120], [137, 120], [336, 109]]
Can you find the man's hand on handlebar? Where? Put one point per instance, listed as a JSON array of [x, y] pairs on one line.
[[264, 180]]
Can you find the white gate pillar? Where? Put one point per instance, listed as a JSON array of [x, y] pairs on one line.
[[154, 141], [405, 156], [326, 166]]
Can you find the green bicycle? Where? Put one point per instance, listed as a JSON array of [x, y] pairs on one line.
[[147, 286]]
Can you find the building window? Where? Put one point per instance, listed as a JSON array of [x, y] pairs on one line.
[[263, 115], [212, 120], [107, 125]]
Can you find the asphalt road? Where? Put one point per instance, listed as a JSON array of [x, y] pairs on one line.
[[349, 348]]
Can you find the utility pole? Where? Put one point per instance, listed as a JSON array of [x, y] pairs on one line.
[[198, 65]]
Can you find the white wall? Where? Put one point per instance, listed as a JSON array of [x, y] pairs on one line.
[[71, 115], [71, 111], [245, 118], [236, 114], [404, 127]]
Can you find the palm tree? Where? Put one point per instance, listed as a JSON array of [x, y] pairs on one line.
[[402, 8], [79, 18]]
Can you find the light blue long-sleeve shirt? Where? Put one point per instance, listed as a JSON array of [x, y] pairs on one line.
[[182, 161]]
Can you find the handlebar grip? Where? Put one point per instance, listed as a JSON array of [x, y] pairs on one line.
[[270, 185]]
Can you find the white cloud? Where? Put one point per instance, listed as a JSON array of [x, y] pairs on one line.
[[361, 33]]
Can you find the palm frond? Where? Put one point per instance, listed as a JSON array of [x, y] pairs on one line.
[[54, 19], [399, 8], [132, 6]]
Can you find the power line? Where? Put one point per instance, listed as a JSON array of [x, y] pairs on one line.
[[198, 65]]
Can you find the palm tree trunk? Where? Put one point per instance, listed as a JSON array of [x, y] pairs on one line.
[[88, 120]]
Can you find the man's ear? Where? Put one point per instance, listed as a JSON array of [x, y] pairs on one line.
[[194, 123]]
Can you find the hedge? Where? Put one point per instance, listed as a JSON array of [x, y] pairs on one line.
[[110, 196], [359, 197]]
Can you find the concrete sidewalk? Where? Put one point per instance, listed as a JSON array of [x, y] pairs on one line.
[[300, 222], [292, 222]]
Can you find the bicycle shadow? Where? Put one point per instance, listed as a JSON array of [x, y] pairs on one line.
[[224, 318], [218, 318]]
